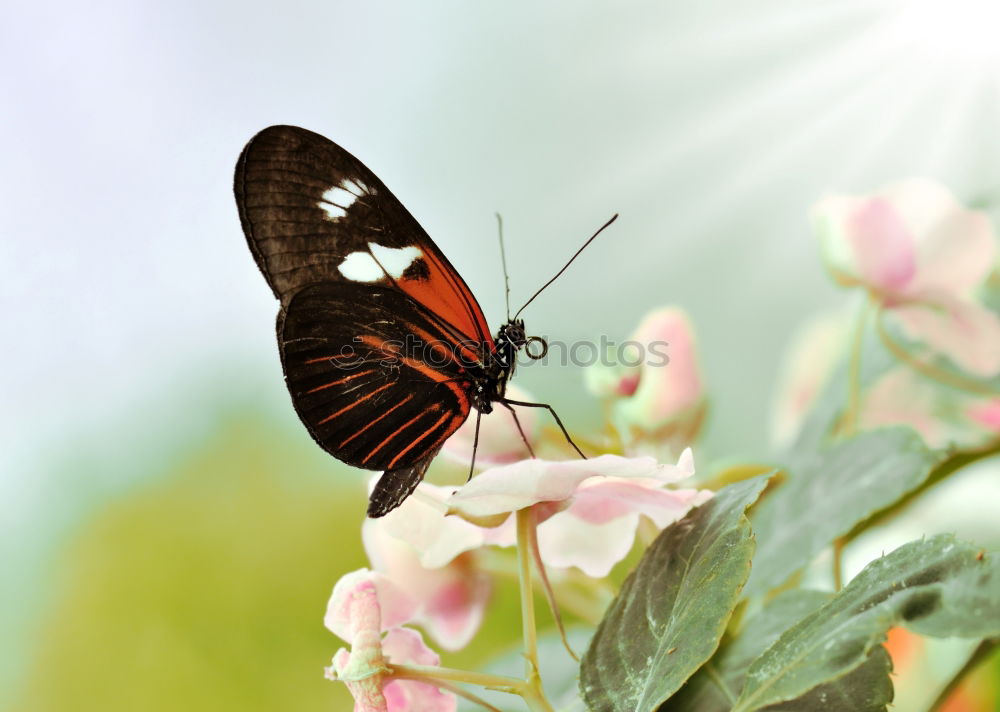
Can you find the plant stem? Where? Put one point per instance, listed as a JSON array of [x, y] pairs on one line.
[[462, 692], [838, 569], [534, 697], [978, 656], [530, 688], [525, 532], [584, 607], [587, 604], [532, 692], [430, 673], [550, 597], [850, 420]]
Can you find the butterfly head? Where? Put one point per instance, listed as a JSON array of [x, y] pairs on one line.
[[512, 338], [513, 333]]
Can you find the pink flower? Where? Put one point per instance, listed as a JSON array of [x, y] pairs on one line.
[[390, 603], [358, 611], [654, 382], [942, 416], [899, 396], [500, 441], [986, 414], [921, 255], [402, 645], [434, 556], [588, 510]]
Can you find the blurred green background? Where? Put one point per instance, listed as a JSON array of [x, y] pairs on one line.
[[170, 532]]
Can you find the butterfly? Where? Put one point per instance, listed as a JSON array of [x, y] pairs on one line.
[[384, 348]]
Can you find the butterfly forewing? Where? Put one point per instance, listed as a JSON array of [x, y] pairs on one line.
[[313, 213]]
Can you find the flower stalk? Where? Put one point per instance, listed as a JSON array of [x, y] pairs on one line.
[[851, 413], [533, 693]]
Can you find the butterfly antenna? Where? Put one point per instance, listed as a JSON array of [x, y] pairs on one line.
[[577, 254], [503, 261]]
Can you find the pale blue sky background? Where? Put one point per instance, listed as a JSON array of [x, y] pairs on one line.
[[131, 303]]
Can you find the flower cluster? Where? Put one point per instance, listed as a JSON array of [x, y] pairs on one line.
[[921, 259], [921, 256], [921, 349], [431, 564]]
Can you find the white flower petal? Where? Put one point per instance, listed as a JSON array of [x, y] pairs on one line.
[[512, 487], [565, 540]]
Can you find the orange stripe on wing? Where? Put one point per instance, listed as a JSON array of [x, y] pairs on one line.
[[396, 432], [416, 442], [330, 358], [342, 380], [436, 345], [457, 421], [420, 367], [459, 307], [401, 403], [355, 403], [471, 305], [441, 378]]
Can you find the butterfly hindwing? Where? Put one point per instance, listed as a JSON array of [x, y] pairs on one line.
[[396, 485], [373, 376]]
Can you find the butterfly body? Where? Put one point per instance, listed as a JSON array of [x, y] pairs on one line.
[[493, 385], [384, 348]]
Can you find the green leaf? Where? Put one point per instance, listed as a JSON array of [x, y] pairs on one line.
[[828, 493], [935, 587], [715, 686], [672, 610], [866, 688]]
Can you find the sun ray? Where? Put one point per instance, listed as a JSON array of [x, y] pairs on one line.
[[956, 114], [744, 181]]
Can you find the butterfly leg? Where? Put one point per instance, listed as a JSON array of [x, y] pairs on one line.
[[517, 422], [475, 444], [508, 403]]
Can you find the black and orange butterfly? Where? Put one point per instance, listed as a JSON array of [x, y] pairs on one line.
[[384, 348]]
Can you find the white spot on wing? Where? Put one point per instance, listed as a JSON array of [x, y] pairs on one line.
[[362, 267], [395, 259], [357, 188], [336, 200], [333, 212]]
